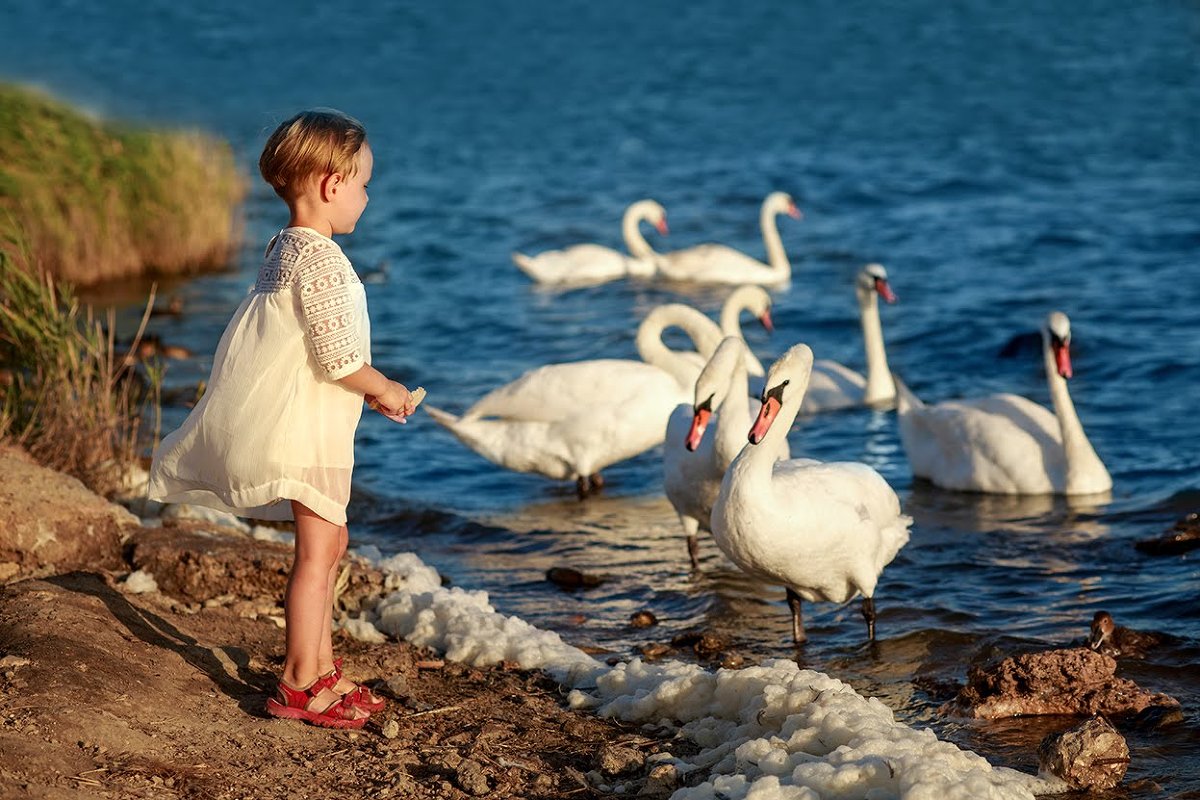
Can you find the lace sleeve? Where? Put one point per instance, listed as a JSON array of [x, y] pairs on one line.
[[324, 280]]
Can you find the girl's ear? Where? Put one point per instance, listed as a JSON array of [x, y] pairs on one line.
[[329, 186]]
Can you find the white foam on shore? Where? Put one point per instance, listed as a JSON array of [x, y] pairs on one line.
[[770, 732]]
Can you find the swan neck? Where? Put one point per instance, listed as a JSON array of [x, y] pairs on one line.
[[635, 243], [653, 351], [1076, 447], [879, 376], [733, 417], [731, 320], [776, 255]]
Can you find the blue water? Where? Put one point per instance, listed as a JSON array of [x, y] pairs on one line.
[[1001, 159]]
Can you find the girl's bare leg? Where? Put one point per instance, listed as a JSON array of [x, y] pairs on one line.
[[326, 655], [307, 602]]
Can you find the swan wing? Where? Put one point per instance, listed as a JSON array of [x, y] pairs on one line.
[[583, 263], [832, 386], [1003, 443], [713, 263], [558, 391]]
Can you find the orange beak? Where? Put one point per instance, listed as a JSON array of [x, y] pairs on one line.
[[661, 226], [884, 290], [762, 424], [1062, 359], [766, 321], [699, 426], [794, 212]]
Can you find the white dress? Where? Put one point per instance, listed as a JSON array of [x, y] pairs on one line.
[[273, 424]]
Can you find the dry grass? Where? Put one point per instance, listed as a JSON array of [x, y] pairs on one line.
[[94, 201], [70, 398]]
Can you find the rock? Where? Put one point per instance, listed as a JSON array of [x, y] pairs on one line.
[[397, 686], [642, 619], [391, 729], [568, 578], [1074, 681], [1091, 756], [705, 645], [1183, 537], [194, 563], [471, 778], [653, 651], [662, 782], [617, 760], [52, 523]]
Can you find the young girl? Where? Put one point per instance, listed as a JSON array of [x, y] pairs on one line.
[[273, 435]]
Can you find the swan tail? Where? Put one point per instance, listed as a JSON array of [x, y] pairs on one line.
[[530, 267], [905, 399], [443, 418]]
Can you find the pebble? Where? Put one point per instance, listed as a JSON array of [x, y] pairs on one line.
[[618, 760], [391, 729], [642, 619], [653, 651], [1090, 756], [568, 578], [472, 779]]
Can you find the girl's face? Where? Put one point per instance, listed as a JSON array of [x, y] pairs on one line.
[[349, 196]]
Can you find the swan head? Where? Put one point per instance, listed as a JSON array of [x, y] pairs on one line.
[[1057, 335], [652, 212], [786, 382], [873, 279], [1102, 629], [713, 385], [781, 203], [754, 299]]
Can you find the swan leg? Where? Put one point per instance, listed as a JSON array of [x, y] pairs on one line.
[[798, 634], [693, 543], [597, 481], [583, 486], [868, 612]]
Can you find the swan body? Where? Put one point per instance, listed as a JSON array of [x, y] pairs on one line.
[[570, 421], [825, 531], [693, 463], [717, 263], [834, 386], [589, 264], [1006, 444]]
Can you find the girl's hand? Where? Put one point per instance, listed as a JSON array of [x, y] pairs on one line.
[[396, 400]]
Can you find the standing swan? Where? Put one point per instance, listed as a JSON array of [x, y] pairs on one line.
[[834, 386], [586, 264], [1005, 444], [717, 263], [570, 421], [694, 465], [824, 531]]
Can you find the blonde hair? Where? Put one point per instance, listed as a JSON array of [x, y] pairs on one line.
[[313, 143]]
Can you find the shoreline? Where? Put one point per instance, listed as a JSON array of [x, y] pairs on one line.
[[119, 685]]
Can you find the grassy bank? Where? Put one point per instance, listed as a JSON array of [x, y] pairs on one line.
[[72, 399], [94, 201]]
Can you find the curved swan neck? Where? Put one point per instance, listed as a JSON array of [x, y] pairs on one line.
[[776, 255], [700, 329], [733, 412], [731, 318], [635, 243], [1076, 447], [879, 376]]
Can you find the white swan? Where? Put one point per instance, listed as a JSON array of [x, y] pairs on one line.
[[757, 301], [586, 264], [834, 386], [1005, 444], [693, 464], [718, 263], [570, 421], [824, 531]]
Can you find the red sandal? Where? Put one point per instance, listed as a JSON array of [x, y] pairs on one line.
[[290, 703], [360, 696]]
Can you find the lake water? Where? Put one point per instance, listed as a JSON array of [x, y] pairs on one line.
[[1001, 159]]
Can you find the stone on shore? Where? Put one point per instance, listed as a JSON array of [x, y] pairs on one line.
[[1072, 681], [1090, 756], [197, 562], [50, 522]]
